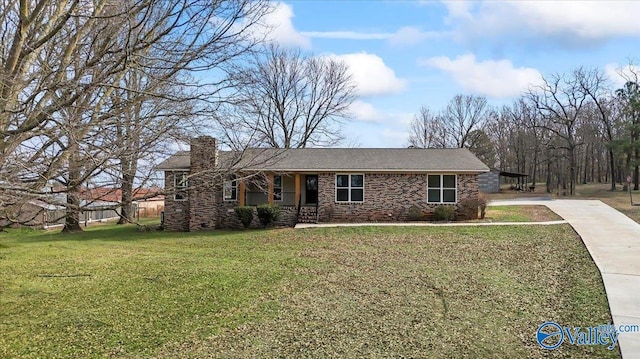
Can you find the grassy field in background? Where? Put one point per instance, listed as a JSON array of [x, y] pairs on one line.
[[617, 199], [114, 291]]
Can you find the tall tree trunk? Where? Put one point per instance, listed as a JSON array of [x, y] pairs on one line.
[[612, 167], [535, 169], [586, 167], [74, 188], [636, 172], [126, 206], [593, 165], [572, 171], [548, 175]]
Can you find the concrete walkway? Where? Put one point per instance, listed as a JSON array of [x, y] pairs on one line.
[[613, 240]]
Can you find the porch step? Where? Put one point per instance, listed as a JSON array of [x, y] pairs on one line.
[[307, 220], [308, 215]]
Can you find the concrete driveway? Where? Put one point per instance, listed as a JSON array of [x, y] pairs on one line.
[[613, 240]]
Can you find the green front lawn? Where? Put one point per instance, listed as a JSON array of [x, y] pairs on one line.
[[345, 292]]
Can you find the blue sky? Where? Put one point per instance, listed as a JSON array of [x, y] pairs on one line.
[[403, 55]]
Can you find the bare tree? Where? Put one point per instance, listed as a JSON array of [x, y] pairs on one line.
[[594, 84], [498, 128], [560, 101], [451, 127], [427, 130], [286, 99], [463, 115], [63, 60]]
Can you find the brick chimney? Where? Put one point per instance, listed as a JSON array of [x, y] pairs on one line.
[[203, 183], [204, 153]]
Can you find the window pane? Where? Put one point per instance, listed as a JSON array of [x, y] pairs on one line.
[[357, 195], [342, 195], [277, 181], [229, 190], [357, 180], [449, 195], [448, 181], [181, 180], [342, 180], [433, 181], [433, 195], [277, 194]]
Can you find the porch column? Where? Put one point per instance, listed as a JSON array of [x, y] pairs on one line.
[[270, 188], [297, 193], [241, 193]]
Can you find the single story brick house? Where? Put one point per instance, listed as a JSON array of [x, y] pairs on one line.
[[204, 185]]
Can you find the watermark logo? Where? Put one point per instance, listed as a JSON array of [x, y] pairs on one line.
[[550, 335]]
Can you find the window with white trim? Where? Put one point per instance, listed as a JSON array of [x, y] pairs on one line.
[[230, 190], [441, 188], [180, 184], [350, 188], [277, 188]]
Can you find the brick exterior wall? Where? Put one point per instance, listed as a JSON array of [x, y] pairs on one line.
[[204, 207], [387, 197], [204, 186], [176, 213], [200, 209]]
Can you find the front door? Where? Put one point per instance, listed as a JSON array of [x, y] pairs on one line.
[[311, 193]]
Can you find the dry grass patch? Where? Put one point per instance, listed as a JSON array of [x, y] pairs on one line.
[[520, 214], [506, 194]]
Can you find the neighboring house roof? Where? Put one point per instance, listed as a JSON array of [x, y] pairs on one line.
[[148, 194], [341, 159], [107, 194], [103, 194]]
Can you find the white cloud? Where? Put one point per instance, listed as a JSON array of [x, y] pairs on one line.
[[491, 78], [458, 10], [371, 75], [367, 112], [571, 20], [619, 75], [364, 111], [407, 35], [347, 35], [410, 35], [280, 29]]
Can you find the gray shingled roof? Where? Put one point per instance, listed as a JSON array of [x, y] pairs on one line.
[[342, 159]]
